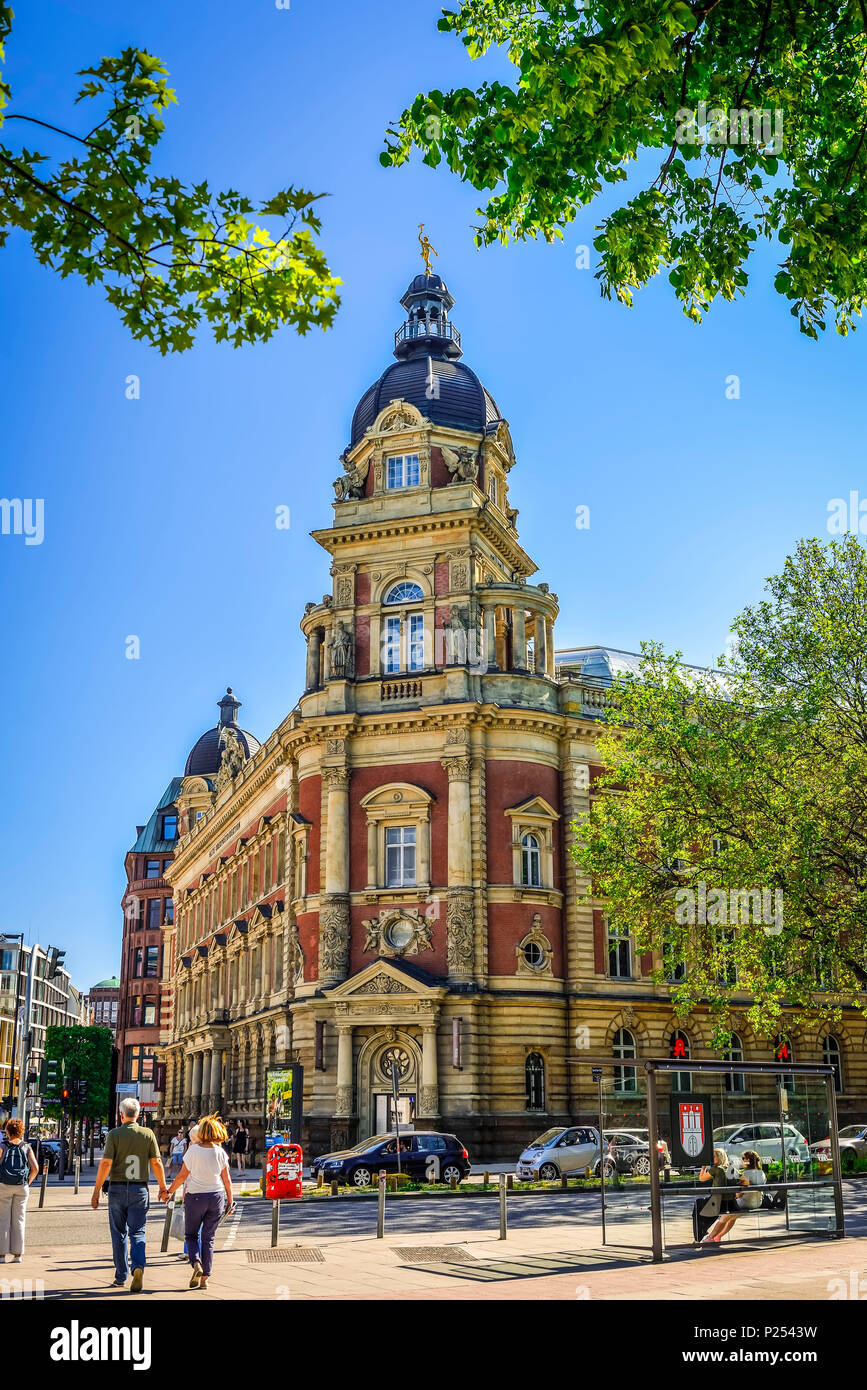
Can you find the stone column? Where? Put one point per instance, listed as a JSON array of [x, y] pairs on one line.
[[314, 649], [334, 913], [540, 646], [459, 910], [429, 1100], [519, 640], [549, 646], [196, 1082], [207, 1058], [216, 1076], [343, 1106], [490, 636]]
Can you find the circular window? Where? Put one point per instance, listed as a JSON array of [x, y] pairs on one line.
[[399, 1058], [534, 955], [400, 934]]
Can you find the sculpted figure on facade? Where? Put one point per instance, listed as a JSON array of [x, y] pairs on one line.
[[459, 933], [350, 485], [341, 651], [463, 464], [455, 633]]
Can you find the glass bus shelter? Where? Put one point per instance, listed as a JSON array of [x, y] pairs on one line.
[[679, 1111]]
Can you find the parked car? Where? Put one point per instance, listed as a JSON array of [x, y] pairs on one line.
[[49, 1150], [559, 1151], [422, 1155], [852, 1140], [320, 1161], [629, 1152], [765, 1139]]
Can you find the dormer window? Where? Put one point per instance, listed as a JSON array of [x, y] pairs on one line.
[[402, 471]]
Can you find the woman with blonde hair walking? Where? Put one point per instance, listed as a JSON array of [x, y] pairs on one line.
[[207, 1195]]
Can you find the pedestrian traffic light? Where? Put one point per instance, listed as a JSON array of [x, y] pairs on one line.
[[65, 1093], [79, 1093], [55, 962]]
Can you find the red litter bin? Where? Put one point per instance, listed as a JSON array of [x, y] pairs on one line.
[[283, 1171]]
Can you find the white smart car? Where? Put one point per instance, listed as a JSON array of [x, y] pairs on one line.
[[557, 1152]]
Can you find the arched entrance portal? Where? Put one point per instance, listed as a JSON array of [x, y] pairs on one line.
[[375, 1087]]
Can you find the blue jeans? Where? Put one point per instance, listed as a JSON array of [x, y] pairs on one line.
[[128, 1204], [202, 1210]]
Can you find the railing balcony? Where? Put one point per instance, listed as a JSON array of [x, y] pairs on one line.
[[400, 690], [427, 328]]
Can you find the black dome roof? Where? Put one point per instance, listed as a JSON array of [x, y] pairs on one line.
[[428, 345], [462, 403], [206, 753]]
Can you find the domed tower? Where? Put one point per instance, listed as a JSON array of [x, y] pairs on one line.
[[430, 597], [214, 761]]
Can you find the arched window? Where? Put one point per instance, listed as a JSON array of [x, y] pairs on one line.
[[680, 1050], [832, 1057], [534, 1074], [531, 862], [625, 1078], [734, 1082], [404, 592], [403, 634]]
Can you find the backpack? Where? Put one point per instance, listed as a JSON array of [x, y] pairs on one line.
[[14, 1166]]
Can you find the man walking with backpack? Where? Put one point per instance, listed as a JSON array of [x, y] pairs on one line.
[[18, 1168], [129, 1151]]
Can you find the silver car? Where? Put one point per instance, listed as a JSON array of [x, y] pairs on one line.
[[559, 1151], [765, 1140], [853, 1146]]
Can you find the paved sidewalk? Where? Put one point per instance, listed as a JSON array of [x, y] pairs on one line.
[[558, 1261]]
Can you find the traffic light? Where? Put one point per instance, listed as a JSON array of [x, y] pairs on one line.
[[51, 1080], [65, 1093], [55, 962], [79, 1094]]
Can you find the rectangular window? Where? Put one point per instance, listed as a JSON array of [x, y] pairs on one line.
[[136, 1013], [138, 961], [402, 471], [416, 642], [153, 962], [150, 1013], [400, 856], [170, 827], [619, 953], [170, 911], [392, 644], [154, 913], [152, 869]]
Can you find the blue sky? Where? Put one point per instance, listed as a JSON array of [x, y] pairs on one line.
[[159, 513]]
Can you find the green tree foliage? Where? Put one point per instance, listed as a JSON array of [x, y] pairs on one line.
[[170, 254], [753, 779], [599, 82], [86, 1052]]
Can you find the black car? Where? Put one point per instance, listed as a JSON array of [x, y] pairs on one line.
[[48, 1150], [435, 1157]]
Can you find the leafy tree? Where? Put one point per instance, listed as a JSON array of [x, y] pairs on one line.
[[86, 1051], [753, 778], [170, 254], [599, 82]]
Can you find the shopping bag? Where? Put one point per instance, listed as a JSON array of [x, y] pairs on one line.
[[177, 1229]]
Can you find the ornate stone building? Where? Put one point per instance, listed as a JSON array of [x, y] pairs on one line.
[[386, 879]]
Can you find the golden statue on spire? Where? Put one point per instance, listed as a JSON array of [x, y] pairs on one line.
[[426, 249]]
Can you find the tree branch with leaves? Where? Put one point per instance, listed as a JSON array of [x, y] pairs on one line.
[[603, 83], [171, 255]]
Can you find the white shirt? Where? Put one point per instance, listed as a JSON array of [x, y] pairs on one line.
[[756, 1177], [205, 1168]]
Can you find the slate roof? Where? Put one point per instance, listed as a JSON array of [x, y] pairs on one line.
[[148, 841]]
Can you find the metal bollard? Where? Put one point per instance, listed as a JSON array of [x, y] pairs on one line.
[[320, 1178], [380, 1209], [43, 1184], [76, 1168], [503, 1190], [334, 1187], [167, 1226], [275, 1222], [487, 1178], [564, 1181], [453, 1183], [509, 1181]]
